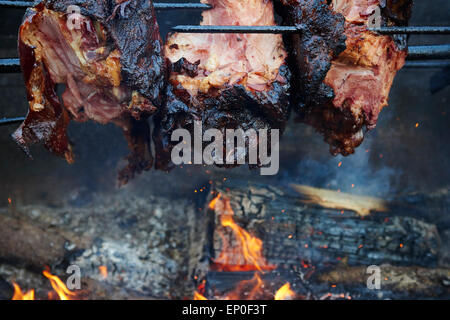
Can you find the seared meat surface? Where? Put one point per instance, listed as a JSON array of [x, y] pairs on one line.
[[108, 57], [344, 92], [225, 81], [310, 52]]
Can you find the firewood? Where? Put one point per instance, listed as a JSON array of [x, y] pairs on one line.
[[363, 205], [411, 279], [25, 242], [293, 231]]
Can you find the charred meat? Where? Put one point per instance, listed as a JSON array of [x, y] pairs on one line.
[[108, 57], [343, 92], [224, 81]]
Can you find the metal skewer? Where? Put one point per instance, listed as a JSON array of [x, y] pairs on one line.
[[294, 29], [236, 29], [8, 121], [413, 30], [427, 64], [9, 65], [158, 6], [415, 53]]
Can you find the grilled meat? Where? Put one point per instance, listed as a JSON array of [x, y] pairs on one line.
[[310, 52], [343, 98], [225, 81], [108, 55]]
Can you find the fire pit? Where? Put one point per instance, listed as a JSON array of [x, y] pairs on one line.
[[373, 225]]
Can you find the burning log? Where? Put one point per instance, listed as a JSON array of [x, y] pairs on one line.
[[322, 247], [149, 246], [324, 236]]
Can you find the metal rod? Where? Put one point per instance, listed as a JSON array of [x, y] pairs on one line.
[[415, 53], [236, 29], [429, 52], [9, 121], [412, 30], [294, 29], [174, 6], [158, 6], [17, 4], [9, 65], [427, 64]]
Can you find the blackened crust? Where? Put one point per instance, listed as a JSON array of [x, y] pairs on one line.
[[133, 27], [310, 52], [231, 108]]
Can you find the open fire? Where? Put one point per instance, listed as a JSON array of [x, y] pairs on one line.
[[243, 252], [60, 290]]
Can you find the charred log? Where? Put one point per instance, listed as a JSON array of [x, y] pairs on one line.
[[150, 246], [26, 243], [323, 236]]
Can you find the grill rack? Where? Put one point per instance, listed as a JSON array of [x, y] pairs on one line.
[[423, 53]]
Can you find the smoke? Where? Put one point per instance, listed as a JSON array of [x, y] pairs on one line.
[[353, 174]]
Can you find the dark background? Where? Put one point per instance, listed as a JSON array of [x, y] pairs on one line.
[[395, 158]]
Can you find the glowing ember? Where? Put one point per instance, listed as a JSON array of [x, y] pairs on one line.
[[285, 293], [244, 255], [59, 287], [19, 295], [103, 271]]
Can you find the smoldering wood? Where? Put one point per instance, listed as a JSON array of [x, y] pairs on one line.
[[341, 283], [150, 245], [293, 231], [324, 253], [396, 281]]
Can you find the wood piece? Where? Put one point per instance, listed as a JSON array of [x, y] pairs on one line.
[[363, 205], [293, 231], [150, 245], [415, 281], [25, 242]]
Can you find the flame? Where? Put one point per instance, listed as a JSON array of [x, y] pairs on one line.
[[247, 254], [19, 295], [199, 296], [212, 204], [103, 271], [59, 287], [285, 293]]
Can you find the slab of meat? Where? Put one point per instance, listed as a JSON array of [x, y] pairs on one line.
[[225, 81], [343, 98], [108, 57]]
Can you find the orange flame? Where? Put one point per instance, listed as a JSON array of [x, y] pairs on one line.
[[285, 293], [103, 271], [59, 287], [247, 254], [199, 296], [19, 295], [212, 204]]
